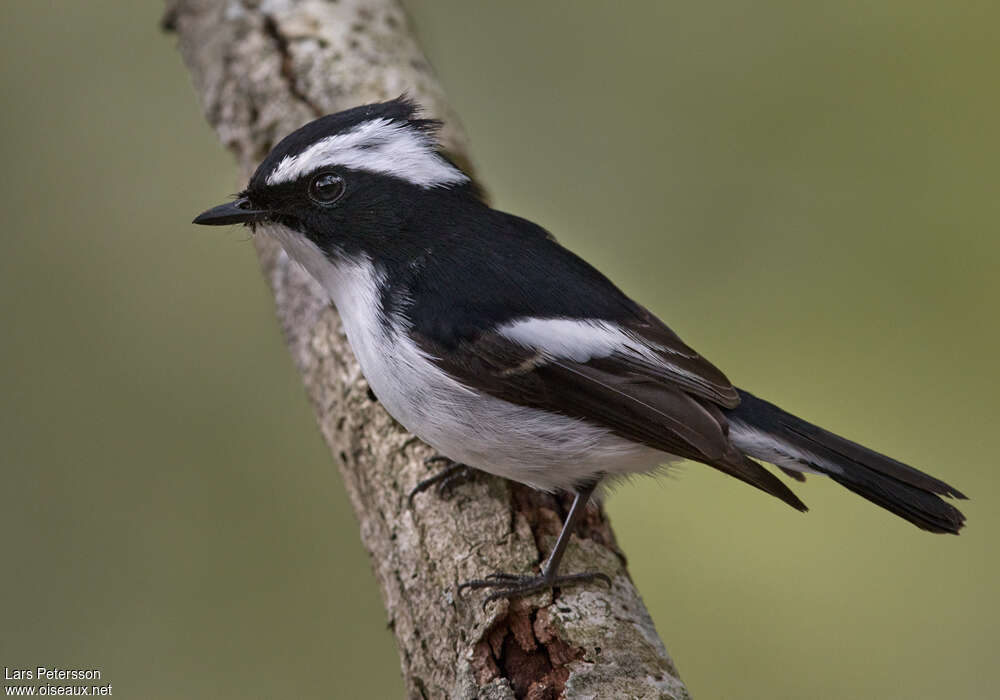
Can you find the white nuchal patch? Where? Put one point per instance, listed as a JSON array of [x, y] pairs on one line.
[[774, 450], [379, 146], [536, 447]]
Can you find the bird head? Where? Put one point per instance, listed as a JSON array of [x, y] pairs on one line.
[[345, 184]]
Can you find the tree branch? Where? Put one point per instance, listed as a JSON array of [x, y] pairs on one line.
[[262, 68]]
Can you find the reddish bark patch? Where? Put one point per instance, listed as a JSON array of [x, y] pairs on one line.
[[524, 648]]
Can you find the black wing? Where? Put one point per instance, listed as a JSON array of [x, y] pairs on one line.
[[651, 388]]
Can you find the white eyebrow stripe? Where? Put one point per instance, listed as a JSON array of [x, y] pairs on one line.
[[379, 146]]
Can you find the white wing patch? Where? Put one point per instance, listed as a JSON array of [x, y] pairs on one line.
[[584, 340], [378, 146], [566, 338]]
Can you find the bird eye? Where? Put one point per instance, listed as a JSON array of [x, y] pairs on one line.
[[326, 188]]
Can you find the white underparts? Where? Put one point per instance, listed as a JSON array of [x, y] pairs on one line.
[[379, 146]]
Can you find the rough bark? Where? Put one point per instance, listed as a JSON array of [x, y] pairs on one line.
[[262, 68]]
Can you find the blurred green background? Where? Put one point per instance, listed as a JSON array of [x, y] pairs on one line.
[[806, 192]]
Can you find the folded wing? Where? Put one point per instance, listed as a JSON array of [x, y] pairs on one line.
[[637, 378]]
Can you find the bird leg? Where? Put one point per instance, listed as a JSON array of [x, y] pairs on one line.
[[518, 585], [446, 479]]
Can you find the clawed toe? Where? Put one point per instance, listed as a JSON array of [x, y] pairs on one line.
[[445, 480], [517, 585], [497, 580]]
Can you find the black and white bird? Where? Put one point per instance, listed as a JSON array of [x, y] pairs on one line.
[[506, 352]]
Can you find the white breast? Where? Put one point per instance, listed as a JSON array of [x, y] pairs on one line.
[[539, 448]]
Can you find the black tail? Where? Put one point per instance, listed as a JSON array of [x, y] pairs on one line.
[[762, 430]]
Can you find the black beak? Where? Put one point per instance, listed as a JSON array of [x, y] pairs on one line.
[[238, 212]]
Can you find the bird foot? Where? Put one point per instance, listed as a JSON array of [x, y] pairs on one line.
[[519, 585], [446, 479]]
